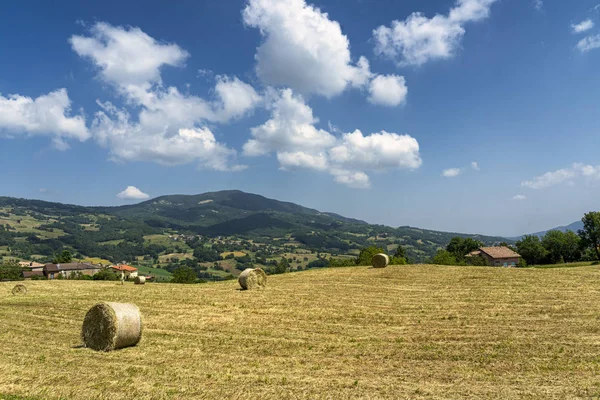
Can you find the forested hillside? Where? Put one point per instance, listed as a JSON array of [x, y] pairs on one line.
[[174, 226]]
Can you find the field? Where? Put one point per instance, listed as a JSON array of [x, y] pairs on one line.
[[158, 273], [400, 332]]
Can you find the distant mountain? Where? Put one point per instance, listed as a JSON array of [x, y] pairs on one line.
[[116, 231], [575, 226]]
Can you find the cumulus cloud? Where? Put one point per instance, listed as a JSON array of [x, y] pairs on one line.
[[589, 43], [451, 172], [292, 135], [127, 57], [520, 197], [47, 115], [303, 49], [142, 141], [475, 165], [132, 193], [171, 126], [290, 129], [419, 39], [563, 175], [583, 26], [538, 4], [388, 90]]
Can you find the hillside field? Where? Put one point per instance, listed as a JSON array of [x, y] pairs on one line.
[[400, 332]]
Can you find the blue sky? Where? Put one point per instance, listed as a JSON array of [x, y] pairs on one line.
[[476, 116]]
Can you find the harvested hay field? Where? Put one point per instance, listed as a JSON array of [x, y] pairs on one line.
[[398, 332]]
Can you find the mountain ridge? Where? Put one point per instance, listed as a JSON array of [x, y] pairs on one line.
[[230, 213]]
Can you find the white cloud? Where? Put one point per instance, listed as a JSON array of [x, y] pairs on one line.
[[130, 141], [475, 165], [301, 159], [236, 98], [303, 49], [171, 126], [353, 179], [132, 193], [589, 43], [290, 129], [378, 151], [419, 39], [127, 57], [520, 197], [583, 26], [388, 90], [565, 175], [292, 135], [47, 115], [452, 172], [538, 4]]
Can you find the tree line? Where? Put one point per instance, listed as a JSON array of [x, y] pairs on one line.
[[557, 247]]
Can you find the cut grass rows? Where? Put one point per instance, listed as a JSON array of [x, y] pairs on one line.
[[399, 332]]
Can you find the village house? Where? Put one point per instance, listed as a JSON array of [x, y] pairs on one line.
[[52, 271], [500, 256], [125, 271]]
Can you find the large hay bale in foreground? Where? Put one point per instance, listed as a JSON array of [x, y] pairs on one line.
[[19, 289], [253, 278], [111, 326], [380, 260], [139, 280]]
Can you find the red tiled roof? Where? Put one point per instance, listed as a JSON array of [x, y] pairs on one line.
[[499, 252], [123, 267]]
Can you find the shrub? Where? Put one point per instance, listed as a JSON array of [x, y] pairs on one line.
[[105, 275], [10, 271], [184, 275]]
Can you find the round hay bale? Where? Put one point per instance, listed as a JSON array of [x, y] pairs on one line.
[[139, 280], [253, 278], [19, 289], [380, 260], [111, 326]]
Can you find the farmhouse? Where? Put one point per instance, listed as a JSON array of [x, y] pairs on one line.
[[498, 256], [125, 271], [52, 271]]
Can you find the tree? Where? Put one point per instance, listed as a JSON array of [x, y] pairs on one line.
[[444, 257], [183, 275], [590, 234], [460, 247], [400, 257], [531, 249], [554, 243], [204, 254], [10, 271], [365, 256], [62, 258], [562, 246]]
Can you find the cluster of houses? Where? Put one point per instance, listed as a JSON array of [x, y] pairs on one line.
[[68, 270]]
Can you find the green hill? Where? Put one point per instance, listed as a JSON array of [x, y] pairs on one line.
[[30, 228]]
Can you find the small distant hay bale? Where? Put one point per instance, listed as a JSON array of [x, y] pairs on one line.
[[111, 326], [19, 289], [380, 260], [139, 280], [253, 278]]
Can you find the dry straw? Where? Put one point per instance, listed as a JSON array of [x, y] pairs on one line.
[[111, 326], [380, 260], [19, 289], [253, 278], [139, 280]]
